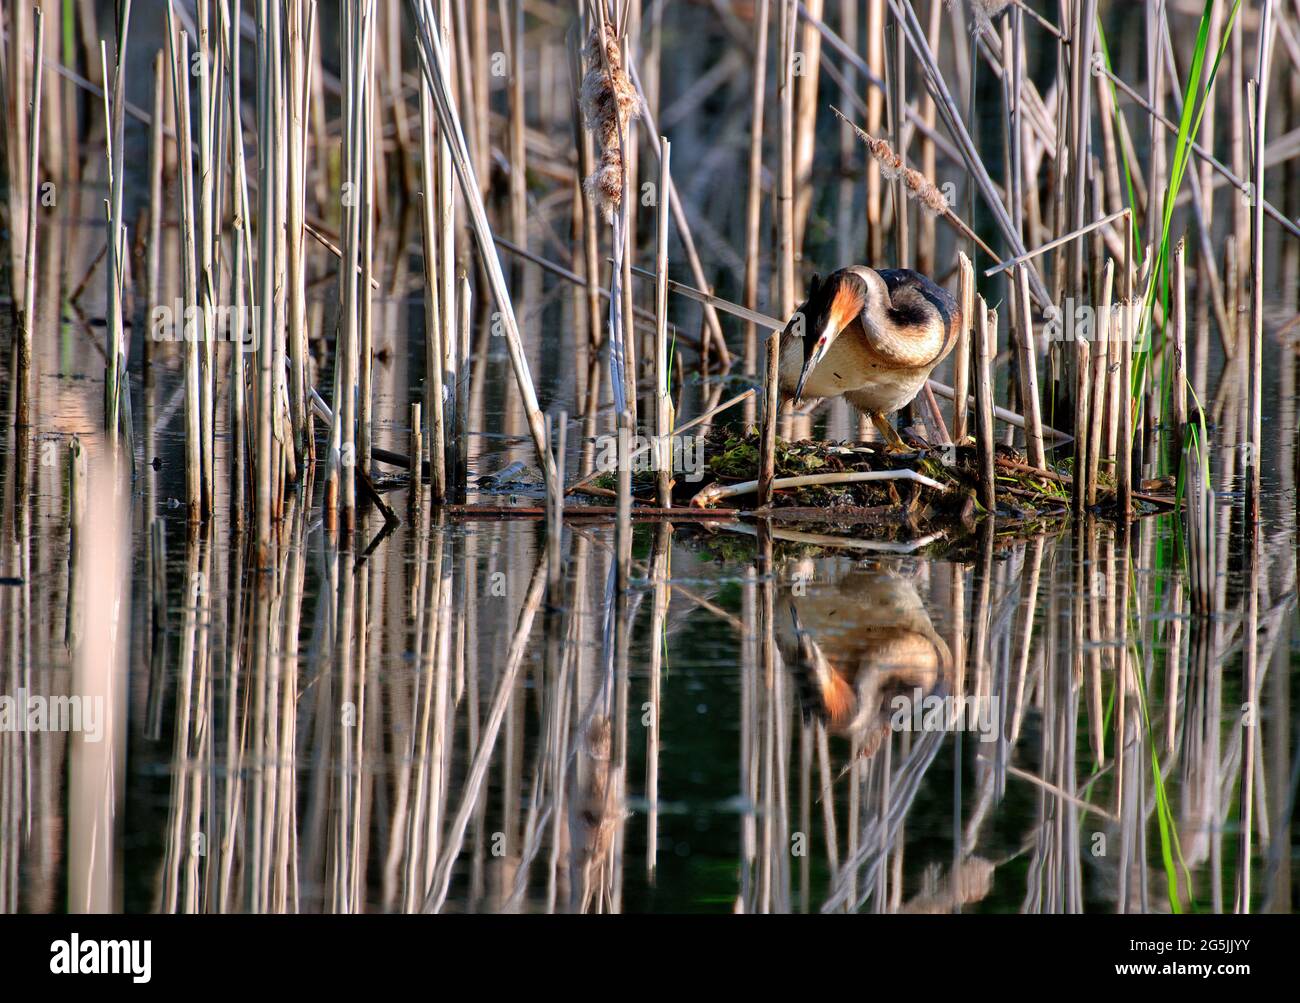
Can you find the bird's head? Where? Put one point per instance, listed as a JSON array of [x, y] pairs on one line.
[[832, 304]]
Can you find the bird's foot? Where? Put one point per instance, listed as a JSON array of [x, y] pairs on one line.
[[894, 443]]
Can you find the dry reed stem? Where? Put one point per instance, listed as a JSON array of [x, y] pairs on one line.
[[961, 351], [185, 207], [985, 348], [754, 187], [1028, 365]]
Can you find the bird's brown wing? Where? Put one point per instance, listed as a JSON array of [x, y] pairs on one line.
[[920, 326]]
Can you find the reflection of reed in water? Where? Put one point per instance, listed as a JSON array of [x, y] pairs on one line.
[[596, 770], [594, 814], [856, 644]]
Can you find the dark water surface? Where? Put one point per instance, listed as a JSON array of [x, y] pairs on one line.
[[452, 715]]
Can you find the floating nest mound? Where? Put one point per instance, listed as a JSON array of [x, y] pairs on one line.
[[1026, 498], [908, 507]]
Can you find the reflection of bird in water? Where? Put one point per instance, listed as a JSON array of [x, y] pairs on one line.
[[941, 892], [856, 643], [594, 813], [873, 336]]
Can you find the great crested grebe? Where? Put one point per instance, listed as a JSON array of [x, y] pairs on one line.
[[857, 638], [870, 335]]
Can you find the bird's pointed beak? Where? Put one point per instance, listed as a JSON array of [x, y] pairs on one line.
[[830, 330]]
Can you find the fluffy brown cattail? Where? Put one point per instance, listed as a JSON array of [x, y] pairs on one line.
[[609, 101], [918, 186], [891, 168]]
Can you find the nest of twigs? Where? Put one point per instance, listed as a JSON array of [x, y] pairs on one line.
[[1025, 497]]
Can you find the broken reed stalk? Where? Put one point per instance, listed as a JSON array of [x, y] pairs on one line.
[[433, 62], [555, 492], [1028, 370], [33, 204], [961, 351], [415, 452], [986, 343], [663, 399], [1124, 454], [1100, 380], [178, 48], [460, 446], [1082, 418], [1113, 377], [1178, 419], [1199, 522], [754, 189]]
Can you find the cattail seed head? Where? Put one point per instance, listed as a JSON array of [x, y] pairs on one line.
[[891, 168], [609, 101]]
